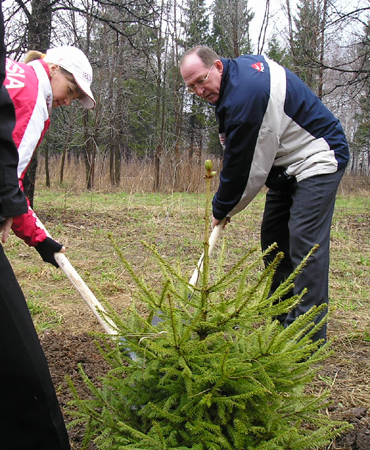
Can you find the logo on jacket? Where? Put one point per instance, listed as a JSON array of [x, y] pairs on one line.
[[259, 66], [222, 138], [14, 75]]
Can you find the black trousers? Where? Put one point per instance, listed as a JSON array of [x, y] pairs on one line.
[[30, 416], [296, 221]]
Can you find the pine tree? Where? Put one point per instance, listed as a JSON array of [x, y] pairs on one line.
[[278, 53], [231, 19], [217, 371], [307, 44]]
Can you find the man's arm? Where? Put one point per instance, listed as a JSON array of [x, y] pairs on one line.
[[244, 170]]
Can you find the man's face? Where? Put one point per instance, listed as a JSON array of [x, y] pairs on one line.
[[204, 81]]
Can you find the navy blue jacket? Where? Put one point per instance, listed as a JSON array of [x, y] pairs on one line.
[[268, 117]]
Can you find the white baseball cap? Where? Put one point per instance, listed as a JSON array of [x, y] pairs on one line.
[[74, 61]]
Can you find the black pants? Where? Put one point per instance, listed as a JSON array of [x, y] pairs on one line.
[[30, 417], [296, 221]]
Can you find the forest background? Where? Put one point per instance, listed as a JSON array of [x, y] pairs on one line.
[[145, 117]]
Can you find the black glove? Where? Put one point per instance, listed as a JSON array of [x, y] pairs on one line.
[[279, 180], [47, 248]]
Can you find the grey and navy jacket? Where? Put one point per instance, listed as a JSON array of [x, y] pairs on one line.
[[268, 117]]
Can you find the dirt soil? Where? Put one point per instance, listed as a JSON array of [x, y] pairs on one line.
[[65, 351]]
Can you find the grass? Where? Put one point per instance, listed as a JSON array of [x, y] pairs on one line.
[[44, 317], [173, 222]]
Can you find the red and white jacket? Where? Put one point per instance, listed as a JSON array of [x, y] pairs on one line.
[[30, 89]]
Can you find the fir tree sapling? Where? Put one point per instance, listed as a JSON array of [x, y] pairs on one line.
[[217, 372]]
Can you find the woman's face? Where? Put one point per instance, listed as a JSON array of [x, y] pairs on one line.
[[64, 90]]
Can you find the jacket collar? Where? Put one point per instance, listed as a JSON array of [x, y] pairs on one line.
[[225, 72], [43, 74]]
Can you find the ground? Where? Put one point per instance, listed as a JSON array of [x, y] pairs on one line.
[[82, 223]]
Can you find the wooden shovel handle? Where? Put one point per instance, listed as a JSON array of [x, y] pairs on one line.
[[212, 242], [85, 293]]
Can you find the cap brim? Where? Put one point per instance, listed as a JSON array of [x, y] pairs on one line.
[[88, 100], [89, 103]]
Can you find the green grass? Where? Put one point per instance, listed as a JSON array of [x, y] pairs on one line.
[[44, 317], [172, 222]]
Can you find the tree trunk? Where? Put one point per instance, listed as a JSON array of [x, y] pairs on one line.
[[64, 153], [117, 165], [47, 172], [89, 152], [62, 164], [39, 29], [322, 49], [111, 159], [30, 179], [39, 26]]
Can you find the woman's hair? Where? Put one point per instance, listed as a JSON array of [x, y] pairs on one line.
[[34, 55], [206, 55]]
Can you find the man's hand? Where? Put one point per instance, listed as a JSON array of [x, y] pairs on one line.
[[47, 248], [5, 227], [216, 222]]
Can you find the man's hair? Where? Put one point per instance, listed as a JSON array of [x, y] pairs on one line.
[[206, 55]]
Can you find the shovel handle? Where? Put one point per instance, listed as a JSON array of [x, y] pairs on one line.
[[90, 299], [85, 293], [212, 242]]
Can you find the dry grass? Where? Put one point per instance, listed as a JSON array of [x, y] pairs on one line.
[[137, 175]]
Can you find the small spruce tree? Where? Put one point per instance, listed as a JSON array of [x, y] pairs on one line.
[[217, 371]]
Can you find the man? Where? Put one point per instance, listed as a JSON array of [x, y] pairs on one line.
[[275, 131], [30, 417]]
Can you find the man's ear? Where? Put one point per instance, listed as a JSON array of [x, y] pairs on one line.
[[219, 66]]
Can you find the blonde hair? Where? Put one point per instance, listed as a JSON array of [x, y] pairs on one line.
[[34, 55]]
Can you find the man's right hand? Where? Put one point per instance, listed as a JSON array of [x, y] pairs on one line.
[[216, 222]]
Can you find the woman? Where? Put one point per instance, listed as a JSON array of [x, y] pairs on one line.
[[43, 82], [30, 416]]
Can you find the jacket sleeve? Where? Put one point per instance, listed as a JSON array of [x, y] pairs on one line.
[[238, 157], [12, 200], [29, 228], [31, 124], [250, 152]]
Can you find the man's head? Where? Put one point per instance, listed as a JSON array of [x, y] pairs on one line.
[[201, 70]]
